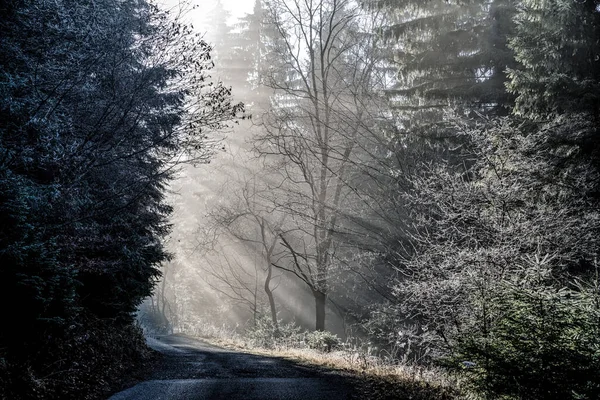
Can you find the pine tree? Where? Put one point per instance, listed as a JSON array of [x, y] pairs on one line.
[[556, 44], [94, 115], [230, 66], [507, 274], [557, 84], [449, 55], [253, 53]]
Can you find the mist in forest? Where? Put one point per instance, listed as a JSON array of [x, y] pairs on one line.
[[373, 192], [415, 181], [227, 221]]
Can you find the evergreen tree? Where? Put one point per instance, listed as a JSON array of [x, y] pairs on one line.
[[449, 54], [506, 274], [228, 45], [556, 44], [253, 52], [557, 84], [94, 113]]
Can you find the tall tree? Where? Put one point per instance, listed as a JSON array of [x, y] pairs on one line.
[[320, 71], [450, 52], [251, 52], [96, 111], [448, 58], [513, 232], [560, 74], [229, 44]]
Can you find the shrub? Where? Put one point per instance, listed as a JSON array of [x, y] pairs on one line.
[[323, 341], [543, 342], [265, 334], [86, 363]]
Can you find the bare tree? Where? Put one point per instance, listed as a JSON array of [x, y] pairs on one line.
[[233, 279], [257, 227], [321, 72]]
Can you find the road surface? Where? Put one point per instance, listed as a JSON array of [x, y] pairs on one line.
[[193, 370]]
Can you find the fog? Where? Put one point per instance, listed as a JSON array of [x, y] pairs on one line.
[[194, 283], [412, 180], [350, 197]]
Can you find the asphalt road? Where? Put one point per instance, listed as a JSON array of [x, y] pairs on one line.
[[193, 370]]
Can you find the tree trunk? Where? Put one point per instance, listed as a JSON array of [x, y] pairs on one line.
[[269, 293], [320, 300]]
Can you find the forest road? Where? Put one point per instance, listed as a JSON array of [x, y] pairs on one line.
[[192, 370]]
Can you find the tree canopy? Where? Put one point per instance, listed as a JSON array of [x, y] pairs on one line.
[[99, 103]]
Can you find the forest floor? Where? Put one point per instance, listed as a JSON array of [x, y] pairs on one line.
[[189, 368]]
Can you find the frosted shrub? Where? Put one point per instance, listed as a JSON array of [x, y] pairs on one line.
[[265, 334], [543, 342], [323, 341]]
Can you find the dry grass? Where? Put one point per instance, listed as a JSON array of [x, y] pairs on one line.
[[372, 377]]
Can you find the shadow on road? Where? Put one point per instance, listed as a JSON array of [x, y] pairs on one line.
[[193, 369]]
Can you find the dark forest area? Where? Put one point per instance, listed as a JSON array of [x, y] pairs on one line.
[[100, 102], [410, 181]]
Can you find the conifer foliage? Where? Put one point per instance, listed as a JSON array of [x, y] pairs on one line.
[[556, 43], [503, 281], [98, 102]]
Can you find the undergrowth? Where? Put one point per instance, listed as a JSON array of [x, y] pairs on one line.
[[86, 362], [375, 377]]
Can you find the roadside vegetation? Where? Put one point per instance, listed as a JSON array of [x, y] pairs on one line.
[[373, 375], [423, 175], [100, 104]]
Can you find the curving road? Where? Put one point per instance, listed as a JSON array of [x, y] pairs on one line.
[[194, 370]]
